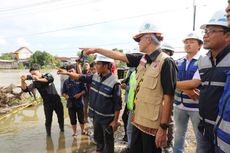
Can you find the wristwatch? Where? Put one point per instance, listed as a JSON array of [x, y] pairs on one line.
[[164, 126]]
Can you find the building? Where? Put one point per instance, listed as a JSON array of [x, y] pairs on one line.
[[23, 53], [8, 64]]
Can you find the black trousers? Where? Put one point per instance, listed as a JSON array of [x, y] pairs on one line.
[[56, 106], [103, 135], [143, 143], [75, 113], [125, 117]]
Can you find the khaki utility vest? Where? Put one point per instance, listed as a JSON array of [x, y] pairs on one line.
[[149, 98]]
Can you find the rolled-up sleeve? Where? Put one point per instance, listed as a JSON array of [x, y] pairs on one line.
[[134, 59], [169, 76]]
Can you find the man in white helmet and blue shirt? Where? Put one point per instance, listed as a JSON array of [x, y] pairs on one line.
[[104, 104], [156, 80], [185, 107], [212, 77]]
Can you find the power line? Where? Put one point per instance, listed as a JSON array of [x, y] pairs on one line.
[[96, 23], [50, 5]]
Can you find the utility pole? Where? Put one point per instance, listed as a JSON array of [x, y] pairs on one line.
[[194, 16]]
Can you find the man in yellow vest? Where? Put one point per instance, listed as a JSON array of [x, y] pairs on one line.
[[156, 81]]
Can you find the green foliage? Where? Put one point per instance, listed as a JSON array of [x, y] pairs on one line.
[[119, 64], [21, 66], [7, 56], [89, 58], [44, 59]]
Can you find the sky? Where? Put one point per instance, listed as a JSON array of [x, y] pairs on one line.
[[60, 27]]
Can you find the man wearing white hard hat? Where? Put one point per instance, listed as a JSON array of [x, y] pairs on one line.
[[156, 80], [168, 49], [212, 76], [185, 106], [104, 104]]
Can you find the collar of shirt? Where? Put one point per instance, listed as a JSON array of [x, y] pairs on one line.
[[105, 76], [152, 57], [221, 55], [196, 57]]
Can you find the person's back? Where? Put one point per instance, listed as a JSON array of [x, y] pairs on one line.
[[46, 89]]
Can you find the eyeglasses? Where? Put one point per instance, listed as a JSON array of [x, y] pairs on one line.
[[208, 32]]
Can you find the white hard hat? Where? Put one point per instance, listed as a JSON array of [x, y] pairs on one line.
[[167, 47], [145, 28], [193, 35], [102, 58], [219, 18]]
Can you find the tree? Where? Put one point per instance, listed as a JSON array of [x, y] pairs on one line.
[[44, 59], [119, 64], [89, 58], [7, 56]]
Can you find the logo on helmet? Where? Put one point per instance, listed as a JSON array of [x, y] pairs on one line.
[[147, 26]]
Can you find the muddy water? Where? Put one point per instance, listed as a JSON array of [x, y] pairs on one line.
[[24, 131]]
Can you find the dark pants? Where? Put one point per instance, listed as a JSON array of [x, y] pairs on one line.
[[75, 113], [103, 135], [86, 109], [49, 107], [125, 117], [143, 143]]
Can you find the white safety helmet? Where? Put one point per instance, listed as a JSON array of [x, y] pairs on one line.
[[145, 28], [166, 46], [102, 58], [219, 18], [193, 35]]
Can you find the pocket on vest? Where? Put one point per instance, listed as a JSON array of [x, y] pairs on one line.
[[151, 112], [149, 82]]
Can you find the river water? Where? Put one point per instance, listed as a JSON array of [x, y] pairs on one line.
[[24, 131]]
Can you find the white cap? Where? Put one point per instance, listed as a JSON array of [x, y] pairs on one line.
[[219, 18], [193, 35], [145, 28], [102, 58], [167, 47]]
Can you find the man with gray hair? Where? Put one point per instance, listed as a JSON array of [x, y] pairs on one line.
[[156, 80]]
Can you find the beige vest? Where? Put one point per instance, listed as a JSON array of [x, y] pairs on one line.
[[149, 99]]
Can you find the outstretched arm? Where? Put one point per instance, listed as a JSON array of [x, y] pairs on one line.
[[188, 84], [109, 53], [76, 76]]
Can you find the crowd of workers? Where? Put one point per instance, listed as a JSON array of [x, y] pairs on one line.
[[160, 94]]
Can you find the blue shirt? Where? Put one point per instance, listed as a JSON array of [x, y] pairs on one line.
[[71, 88]]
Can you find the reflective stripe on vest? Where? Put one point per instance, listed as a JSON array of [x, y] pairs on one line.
[[222, 128], [132, 89], [208, 121], [184, 74], [213, 78], [101, 102]]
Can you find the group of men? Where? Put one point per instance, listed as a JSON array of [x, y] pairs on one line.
[[198, 87]]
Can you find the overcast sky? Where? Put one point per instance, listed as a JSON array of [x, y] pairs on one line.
[[61, 26]]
